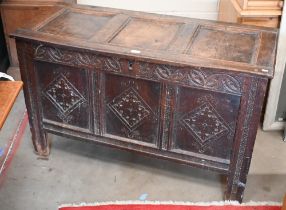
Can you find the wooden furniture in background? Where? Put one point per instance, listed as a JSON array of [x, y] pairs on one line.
[[25, 14], [251, 12], [284, 203], [176, 88], [8, 94], [270, 121]]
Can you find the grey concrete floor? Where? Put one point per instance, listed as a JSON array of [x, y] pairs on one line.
[[82, 172]]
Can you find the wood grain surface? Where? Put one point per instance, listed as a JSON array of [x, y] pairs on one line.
[[8, 94]]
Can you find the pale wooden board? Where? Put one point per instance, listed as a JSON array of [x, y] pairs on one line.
[[8, 93]]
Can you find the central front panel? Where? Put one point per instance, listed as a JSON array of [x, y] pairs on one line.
[[132, 108]]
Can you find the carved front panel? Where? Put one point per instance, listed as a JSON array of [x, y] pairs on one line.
[[132, 109], [205, 122], [64, 94]]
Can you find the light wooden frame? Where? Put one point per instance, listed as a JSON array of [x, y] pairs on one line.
[[275, 87]]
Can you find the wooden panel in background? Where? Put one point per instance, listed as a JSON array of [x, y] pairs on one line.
[[25, 14]]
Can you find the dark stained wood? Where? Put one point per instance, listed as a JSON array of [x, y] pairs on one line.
[[181, 89]]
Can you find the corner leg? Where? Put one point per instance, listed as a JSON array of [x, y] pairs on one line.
[[40, 140], [42, 147], [245, 134], [234, 191], [26, 54]]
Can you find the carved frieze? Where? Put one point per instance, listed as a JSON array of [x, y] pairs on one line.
[[73, 58], [192, 77]]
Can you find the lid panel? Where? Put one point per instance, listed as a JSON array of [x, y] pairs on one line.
[[147, 34], [161, 38], [77, 25], [224, 45]]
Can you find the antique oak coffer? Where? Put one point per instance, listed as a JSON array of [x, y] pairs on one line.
[[176, 88]]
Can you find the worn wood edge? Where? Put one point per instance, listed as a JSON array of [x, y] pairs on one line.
[[10, 103], [275, 86]]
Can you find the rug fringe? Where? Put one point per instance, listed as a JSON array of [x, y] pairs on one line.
[[212, 203]]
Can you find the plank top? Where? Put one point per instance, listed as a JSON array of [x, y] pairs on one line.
[[161, 38], [8, 94]]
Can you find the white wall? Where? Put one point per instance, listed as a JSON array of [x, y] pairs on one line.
[[205, 9]]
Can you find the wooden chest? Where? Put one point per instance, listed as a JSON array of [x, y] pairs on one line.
[[181, 89]]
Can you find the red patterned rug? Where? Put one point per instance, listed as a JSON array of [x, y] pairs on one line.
[[160, 206]]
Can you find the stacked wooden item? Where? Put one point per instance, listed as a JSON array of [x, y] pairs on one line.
[[252, 12]]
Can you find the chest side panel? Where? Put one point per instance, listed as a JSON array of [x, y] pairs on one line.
[[64, 94]]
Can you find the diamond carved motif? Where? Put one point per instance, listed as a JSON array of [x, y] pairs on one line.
[[130, 108], [205, 124], [64, 96]]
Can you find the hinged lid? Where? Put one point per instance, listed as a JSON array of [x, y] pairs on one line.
[[174, 40]]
